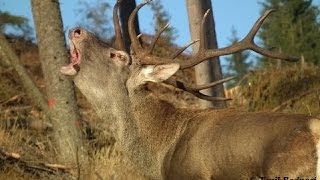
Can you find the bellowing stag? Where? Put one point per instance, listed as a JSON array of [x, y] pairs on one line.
[[166, 142]]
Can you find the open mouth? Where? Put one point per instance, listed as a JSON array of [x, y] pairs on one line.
[[75, 58], [75, 54]]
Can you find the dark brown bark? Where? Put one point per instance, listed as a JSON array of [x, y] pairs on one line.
[[210, 70], [126, 7], [60, 90]]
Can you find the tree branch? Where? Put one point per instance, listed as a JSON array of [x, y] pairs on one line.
[[278, 108], [36, 168], [6, 52]]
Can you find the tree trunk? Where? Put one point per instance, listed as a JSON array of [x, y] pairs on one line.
[[126, 8], [60, 90], [8, 55], [209, 70]]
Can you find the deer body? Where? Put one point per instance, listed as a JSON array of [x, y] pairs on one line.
[[171, 143], [227, 144]]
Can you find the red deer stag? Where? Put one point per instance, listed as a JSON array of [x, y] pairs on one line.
[[171, 143]]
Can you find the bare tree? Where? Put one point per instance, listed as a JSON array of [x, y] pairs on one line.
[[60, 90], [210, 70], [9, 57]]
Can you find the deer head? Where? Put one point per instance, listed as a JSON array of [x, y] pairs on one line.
[[98, 70]]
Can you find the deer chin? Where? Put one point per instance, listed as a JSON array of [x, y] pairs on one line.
[[75, 58]]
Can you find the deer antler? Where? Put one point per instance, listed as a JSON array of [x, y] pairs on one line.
[[195, 90], [246, 43], [135, 43], [119, 43], [144, 56]]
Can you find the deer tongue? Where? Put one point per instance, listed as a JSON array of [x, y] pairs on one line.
[[68, 70], [75, 55], [72, 68]]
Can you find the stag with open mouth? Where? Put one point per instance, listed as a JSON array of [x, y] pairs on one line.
[[166, 142], [75, 55]]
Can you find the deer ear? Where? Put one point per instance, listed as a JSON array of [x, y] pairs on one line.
[[121, 58], [159, 73]]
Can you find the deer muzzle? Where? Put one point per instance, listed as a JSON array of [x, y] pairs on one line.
[[75, 55]]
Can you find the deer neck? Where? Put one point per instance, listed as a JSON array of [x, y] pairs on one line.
[[158, 124], [152, 112], [108, 98], [112, 103]]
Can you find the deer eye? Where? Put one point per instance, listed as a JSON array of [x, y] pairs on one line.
[[112, 55]]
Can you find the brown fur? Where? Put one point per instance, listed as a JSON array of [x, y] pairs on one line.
[[226, 144], [170, 143]]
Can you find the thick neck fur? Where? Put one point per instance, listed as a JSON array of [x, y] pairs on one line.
[[160, 124], [157, 119], [108, 97], [110, 100]]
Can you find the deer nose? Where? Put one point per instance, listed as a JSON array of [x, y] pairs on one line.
[[75, 33]]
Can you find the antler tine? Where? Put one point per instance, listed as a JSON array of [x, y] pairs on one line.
[[195, 90], [202, 30], [265, 52], [250, 36], [245, 44], [135, 44], [118, 39], [176, 54], [156, 37], [209, 85], [210, 98]]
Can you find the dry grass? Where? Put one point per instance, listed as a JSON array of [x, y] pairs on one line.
[[35, 148], [109, 163], [291, 89]]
